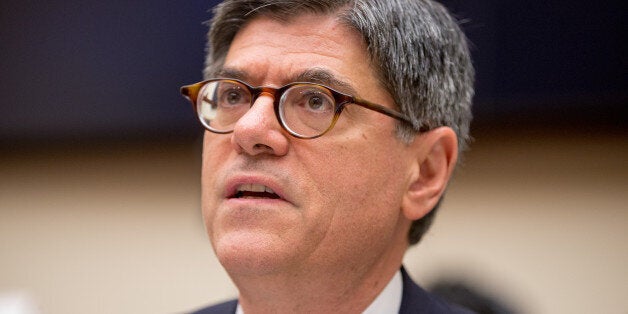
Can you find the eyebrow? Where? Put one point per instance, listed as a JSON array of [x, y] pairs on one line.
[[313, 75], [324, 77], [232, 73]]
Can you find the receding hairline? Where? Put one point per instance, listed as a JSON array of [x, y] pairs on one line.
[[320, 75], [284, 16]]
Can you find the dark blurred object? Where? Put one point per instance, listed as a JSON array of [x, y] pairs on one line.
[[470, 298], [88, 69], [549, 64]]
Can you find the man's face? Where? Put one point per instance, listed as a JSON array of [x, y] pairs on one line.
[[335, 200]]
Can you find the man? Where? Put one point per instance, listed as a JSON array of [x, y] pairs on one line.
[[333, 128]]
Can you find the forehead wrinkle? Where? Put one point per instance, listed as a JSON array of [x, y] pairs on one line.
[[319, 43], [314, 75]]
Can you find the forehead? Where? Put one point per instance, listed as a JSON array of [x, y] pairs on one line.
[[273, 52]]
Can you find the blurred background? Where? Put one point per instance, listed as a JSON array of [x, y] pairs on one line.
[[100, 160]]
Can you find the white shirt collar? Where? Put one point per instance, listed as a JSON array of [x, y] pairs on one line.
[[388, 301]]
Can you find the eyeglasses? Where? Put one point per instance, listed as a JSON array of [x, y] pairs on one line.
[[305, 110]]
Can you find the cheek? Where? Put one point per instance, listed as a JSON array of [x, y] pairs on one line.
[[357, 177], [214, 155], [208, 199], [359, 196]]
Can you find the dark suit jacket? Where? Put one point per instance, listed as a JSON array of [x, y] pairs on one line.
[[414, 300]]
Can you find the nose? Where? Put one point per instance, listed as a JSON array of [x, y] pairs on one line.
[[258, 132]]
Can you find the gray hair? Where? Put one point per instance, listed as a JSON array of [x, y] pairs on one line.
[[420, 55]]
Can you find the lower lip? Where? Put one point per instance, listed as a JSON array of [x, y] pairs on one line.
[[256, 200]]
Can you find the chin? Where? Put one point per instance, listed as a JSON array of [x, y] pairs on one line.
[[250, 253]]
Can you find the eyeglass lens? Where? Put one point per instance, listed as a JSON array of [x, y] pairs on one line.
[[304, 109]]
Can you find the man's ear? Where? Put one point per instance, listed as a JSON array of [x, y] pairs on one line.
[[436, 152]]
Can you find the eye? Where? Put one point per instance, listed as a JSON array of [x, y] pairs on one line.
[[230, 95], [233, 96], [316, 101]]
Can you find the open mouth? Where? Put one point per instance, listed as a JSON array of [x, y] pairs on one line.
[[254, 191]]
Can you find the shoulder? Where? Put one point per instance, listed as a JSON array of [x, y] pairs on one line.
[[416, 300], [228, 307]]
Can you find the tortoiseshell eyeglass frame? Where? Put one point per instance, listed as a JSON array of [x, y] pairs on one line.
[[341, 101]]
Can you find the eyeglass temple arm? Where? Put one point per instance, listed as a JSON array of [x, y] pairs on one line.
[[387, 111]]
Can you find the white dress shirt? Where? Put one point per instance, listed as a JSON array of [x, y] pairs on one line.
[[388, 301]]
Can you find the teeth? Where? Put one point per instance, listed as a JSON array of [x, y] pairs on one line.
[[254, 188]]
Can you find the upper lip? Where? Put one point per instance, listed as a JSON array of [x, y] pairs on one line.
[[254, 184]]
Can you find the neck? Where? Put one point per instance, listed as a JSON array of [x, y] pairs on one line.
[[315, 289]]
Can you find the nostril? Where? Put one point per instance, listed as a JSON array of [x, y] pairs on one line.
[[261, 146], [261, 149]]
